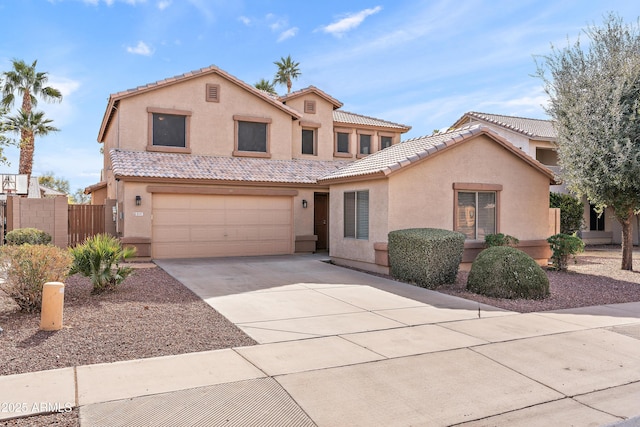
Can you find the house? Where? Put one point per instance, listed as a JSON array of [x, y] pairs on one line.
[[204, 165], [471, 180], [537, 138]]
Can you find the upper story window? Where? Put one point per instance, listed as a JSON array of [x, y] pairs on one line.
[[342, 143], [385, 141], [252, 136], [309, 141], [356, 214], [476, 210], [364, 144], [168, 130]]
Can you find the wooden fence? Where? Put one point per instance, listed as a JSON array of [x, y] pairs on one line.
[[85, 221]]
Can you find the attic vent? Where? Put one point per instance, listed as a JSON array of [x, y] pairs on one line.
[[310, 107], [213, 93]]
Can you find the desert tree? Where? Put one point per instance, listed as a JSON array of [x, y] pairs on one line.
[[287, 71], [25, 83], [594, 92], [266, 86]]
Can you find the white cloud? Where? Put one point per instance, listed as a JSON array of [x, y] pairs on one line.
[[244, 20], [291, 32], [350, 22], [65, 85], [163, 4], [140, 49]]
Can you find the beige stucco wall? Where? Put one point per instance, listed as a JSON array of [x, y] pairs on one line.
[[422, 195], [212, 127], [324, 134], [50, 215], [356, 249]]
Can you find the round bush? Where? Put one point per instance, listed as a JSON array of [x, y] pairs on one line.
[[506, 272]]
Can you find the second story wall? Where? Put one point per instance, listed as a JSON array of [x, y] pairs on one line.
[[312, 135], [207, 115]]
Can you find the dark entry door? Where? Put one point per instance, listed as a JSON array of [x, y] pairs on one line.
[[321, 220]]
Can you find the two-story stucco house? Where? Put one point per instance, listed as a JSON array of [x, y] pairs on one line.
[[205, 165]]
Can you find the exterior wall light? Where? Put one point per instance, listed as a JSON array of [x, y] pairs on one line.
[[138, 200], [304, 204]]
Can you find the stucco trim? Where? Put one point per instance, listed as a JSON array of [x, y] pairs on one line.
[[168, 189]]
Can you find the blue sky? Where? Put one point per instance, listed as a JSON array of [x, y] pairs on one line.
[[420, 63]]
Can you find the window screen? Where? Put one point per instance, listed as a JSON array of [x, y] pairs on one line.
[[365, 144], [169, 130], [343, 142], [308, 141], [385, 141], [252, 136]]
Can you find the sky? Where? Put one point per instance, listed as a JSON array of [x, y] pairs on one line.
[[419, 63]]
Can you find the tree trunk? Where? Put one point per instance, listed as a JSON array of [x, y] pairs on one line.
[[627, 242], [26, 153]]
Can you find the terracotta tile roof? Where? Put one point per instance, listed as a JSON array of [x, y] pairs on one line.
[[341, 116], [311, 89], [142, 164], [393, 158], [533, 128]]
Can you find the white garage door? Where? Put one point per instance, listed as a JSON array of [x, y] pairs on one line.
[[192, 226]]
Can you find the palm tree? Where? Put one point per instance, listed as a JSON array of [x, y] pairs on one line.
[[287, 70], [266, 85], [28, 126], [24, 81]]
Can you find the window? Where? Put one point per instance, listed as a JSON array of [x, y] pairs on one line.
[[385, 141], [364, 147], [476, 209], [343, 142], [310, 107], [213, 93], [308, 141], [596, 220], [356, 214], [252, 136], [168, 130]]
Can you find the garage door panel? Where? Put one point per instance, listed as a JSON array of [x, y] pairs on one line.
[[214, 225]]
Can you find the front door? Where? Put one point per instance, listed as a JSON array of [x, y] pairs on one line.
[[321, 220]]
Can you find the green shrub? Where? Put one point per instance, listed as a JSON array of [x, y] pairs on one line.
[[500, 239], [428, 257], [571, 211], [98, 258], [32, 236], [563, 245], [28, 268], [505, 272]]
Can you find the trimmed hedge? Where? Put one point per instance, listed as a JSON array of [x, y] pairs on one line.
[[506, 272], [32, 236], [428, 257]]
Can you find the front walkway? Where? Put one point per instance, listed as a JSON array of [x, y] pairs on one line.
[[338, 348]]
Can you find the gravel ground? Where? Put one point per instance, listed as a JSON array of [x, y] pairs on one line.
[[595, 279], [150, 315]]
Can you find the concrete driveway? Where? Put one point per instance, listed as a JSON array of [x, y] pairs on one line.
[[354, 349]]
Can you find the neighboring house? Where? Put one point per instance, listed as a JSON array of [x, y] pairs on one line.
[[471, 180], [537, 138], [205, 165]]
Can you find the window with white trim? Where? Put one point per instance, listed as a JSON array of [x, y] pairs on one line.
[[356, 215]]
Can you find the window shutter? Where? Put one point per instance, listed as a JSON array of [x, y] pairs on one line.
[[213, 93]]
